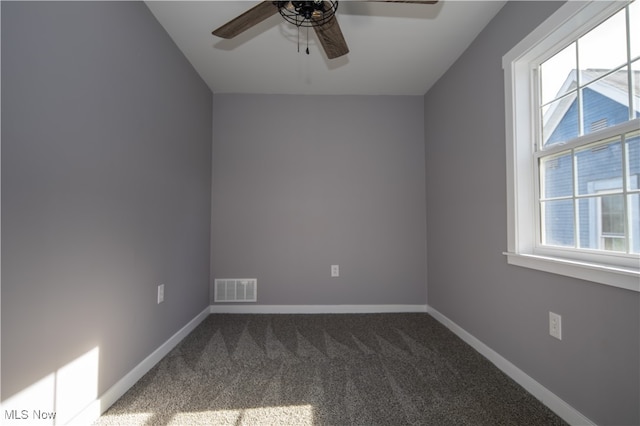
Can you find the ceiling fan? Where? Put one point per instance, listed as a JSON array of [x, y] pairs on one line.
[[319, 14]]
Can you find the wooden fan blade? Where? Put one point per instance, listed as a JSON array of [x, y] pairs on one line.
[[248, 19], [331, 38]]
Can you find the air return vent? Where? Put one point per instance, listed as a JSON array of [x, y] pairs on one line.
[[236, 289]]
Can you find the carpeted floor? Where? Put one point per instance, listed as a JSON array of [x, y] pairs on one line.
[[344, 369]]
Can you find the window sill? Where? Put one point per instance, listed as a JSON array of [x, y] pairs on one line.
[[626, 278]]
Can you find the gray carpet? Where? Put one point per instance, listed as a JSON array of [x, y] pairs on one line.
[[347, 369]]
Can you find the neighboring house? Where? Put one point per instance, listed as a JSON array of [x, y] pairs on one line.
[[600, 218]]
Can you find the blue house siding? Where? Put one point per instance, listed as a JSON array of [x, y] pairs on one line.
[[598, 170], [595, 108], [567, 128]]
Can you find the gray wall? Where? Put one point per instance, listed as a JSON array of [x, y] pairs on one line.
[[303, 182], [595, 368], [106, 171]]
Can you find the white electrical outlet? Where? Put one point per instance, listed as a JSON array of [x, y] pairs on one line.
[[555, 325], [335, 271], [160, 293]]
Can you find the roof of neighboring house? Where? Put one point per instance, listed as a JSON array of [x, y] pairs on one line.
[[613, 85], [616, 79]]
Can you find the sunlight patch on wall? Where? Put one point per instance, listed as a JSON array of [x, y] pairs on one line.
[[58, 397], [26, 406], [291, 415], [77, 385]]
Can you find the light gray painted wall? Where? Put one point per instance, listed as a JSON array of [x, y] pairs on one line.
[[595, 368], [106, 171], [303, 182]]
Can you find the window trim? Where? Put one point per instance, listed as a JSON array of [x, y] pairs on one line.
[[569, 20]]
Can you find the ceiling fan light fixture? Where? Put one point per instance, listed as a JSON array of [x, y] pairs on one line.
[[307, 13]]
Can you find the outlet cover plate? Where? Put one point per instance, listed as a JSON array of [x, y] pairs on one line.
[[555, 325], [160, 293], [335, 271]]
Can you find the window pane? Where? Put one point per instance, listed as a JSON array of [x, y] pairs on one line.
[[557, 74], [612, 215], [560, 120], [633, 160], [633, 209], [614, 244], [605, 47], [587, 223], [556, 176], [558, 223], [599, 167], [634, 26], [601, 223], [605, 102]]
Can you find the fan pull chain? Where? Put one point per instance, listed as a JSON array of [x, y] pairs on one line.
[[307, 41]]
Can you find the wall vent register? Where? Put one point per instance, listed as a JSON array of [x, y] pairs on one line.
[[236, 290]]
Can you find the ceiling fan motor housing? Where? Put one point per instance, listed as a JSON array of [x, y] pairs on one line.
[[307, 13]]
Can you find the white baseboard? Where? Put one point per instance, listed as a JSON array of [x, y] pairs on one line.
[[93, 411], [314, 309], [548, 398]]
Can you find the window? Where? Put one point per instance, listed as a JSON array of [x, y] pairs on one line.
[[611, 224], [573, 144]]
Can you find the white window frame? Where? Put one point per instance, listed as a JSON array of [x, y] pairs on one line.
[[570, 20]]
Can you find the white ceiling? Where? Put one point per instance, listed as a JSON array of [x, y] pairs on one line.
[[395, 49]]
